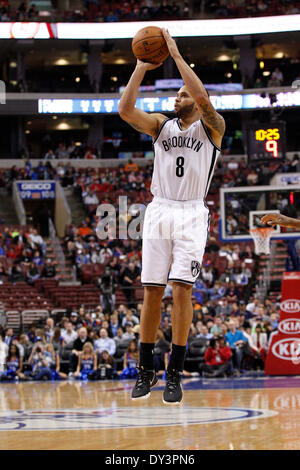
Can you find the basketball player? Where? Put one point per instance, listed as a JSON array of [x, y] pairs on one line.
[[280, 219], [186, 150]]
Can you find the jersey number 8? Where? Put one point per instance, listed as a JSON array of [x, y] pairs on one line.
[[179, 166]]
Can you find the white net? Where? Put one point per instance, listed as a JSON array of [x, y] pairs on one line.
[[261, 237]]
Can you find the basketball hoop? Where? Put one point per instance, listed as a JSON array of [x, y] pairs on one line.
[[261, 237]]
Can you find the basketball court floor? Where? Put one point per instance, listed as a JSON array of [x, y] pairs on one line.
[[229, 414]]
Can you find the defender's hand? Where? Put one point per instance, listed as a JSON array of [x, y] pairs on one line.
[[172, 46], [274, 219], [147, 65]]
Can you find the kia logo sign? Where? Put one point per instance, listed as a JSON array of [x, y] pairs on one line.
[[287, 349], [291, 306], [290, 325]]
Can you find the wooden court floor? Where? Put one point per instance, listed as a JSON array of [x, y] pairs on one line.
[[238, 414]]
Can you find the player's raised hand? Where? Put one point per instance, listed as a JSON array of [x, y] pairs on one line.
[[275, 219], [147, 65], [172, 46]]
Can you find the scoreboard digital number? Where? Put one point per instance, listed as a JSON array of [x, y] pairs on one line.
[[266, 142]]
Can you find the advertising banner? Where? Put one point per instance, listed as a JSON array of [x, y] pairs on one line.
[[36, 189], [284, 350], [127, 30]]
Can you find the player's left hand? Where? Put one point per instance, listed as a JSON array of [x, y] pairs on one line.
[[172, 46]]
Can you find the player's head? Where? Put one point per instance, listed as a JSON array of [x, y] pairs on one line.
[[185, 104]]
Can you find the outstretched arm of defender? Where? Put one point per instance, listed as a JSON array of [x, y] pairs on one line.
[[282, 220], [138, 119], [214, 121]]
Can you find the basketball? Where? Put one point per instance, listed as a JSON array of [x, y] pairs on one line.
[[149, 45]]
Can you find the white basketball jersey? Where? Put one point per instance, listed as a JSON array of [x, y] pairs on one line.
[[184, 161]]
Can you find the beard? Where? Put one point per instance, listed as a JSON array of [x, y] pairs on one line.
[[185, 111]]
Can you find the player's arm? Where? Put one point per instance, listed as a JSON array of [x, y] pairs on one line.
[[138, 119], [280, 219], [214, 121]]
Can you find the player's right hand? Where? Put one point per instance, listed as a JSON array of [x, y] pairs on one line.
[[275, 219], [147, 65]]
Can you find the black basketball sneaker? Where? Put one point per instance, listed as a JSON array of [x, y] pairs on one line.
[[173, 392], [145, 380]]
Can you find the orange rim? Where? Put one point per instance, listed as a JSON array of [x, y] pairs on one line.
[[263, 232]]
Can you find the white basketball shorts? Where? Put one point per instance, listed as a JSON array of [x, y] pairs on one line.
[[174, 239]]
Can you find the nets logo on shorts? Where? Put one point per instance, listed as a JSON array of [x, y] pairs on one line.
[[195, 268]]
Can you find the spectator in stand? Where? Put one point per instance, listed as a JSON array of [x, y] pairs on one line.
[[69, 334], [33, 12], [36, 241], [16, 273], [48, 271], [252, 178], [237, 342], [130, 361], [259, 346], [114, 324], [161, 347], [217, 291], [119, 338], [204, 333], [39, 360], [131, 166], [130, 275], [129, 317], [26, 346], [217, 359], [277, 76], [232, 292], [216, 330], [129, 334], [258, 83], [106, 367], [274, 320], [57, 340], [41, 335], [90, 154], [61, 152], [77, 348], [49, 329], [231, 224], [91, 198], [107, 285], [49, 155], [32, 274], [32, 334], [37, 258], [75, 320], [105, 253], [105, 343], [8, 337], [207, 275], [84, 230]]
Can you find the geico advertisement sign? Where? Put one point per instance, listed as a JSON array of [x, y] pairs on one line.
[[290, 306], [287, 349], [35, 186], [290, 325]]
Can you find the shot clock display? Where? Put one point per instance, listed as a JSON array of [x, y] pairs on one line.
[[266, 141]]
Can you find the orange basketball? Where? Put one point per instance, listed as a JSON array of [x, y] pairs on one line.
[[149, 45]]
